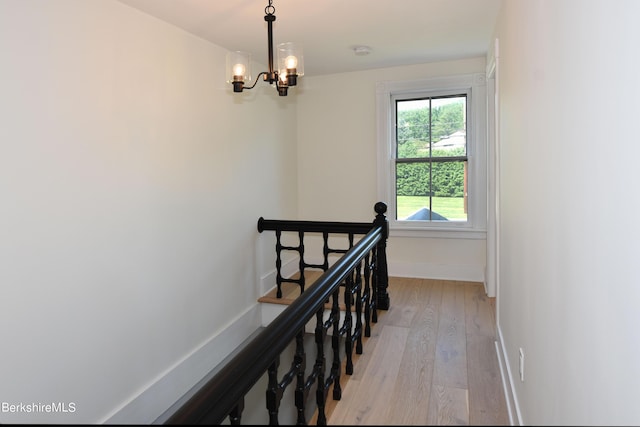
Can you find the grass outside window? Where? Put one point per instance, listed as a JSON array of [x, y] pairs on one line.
[[451, 208]]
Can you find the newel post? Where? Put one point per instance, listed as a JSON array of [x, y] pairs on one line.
[[381, 264]]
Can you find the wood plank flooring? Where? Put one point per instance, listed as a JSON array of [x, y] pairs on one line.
[[431, 360]]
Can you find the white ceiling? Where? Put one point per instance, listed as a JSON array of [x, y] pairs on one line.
[[400, 32]]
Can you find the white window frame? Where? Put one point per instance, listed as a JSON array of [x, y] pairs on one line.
[[474, 85]]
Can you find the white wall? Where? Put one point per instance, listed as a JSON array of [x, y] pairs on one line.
[[568, 291], [337, 161], [131, 181]]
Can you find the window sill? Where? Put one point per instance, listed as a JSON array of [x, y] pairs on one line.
[[396, 230]]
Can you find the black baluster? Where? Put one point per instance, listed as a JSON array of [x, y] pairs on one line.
[[358, 298], [336, 368], [302, 263], [325, 251], [367, 297], [320, 368], [278, 264], [301, 393], [348, 342], [274, 393], [236, 413], [374, 285]]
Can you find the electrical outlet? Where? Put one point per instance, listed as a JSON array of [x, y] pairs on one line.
[[521, 353]]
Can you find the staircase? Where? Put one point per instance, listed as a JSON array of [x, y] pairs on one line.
[[339, 308]]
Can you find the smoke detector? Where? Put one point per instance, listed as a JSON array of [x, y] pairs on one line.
[[361, 50]]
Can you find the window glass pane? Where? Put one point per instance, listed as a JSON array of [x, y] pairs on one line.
[[413, 128], [449, 190], [412, 188], [448, 116], [431, 191]]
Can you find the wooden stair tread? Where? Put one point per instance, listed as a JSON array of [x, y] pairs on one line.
[[291, 291]]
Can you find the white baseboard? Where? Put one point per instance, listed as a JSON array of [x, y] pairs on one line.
[[463, 272], [515, 417], [154, 400]]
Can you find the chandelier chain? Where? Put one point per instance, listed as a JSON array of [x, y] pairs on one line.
[[270, 9]]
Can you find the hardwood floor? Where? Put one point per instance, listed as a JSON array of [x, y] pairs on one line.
[[430, 360]]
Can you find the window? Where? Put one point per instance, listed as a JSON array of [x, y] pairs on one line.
[[431, 158], [432, 162]]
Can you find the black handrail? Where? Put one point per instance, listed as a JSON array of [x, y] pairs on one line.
[[314, 226], [224, 393]]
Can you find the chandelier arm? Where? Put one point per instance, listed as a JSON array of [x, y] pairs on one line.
[[255, 82]]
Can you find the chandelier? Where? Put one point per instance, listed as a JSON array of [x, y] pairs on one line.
[[289, 63]]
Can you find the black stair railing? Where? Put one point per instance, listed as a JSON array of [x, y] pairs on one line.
[[362, 272], [328, 228]]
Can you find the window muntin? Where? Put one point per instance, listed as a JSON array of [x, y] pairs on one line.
[[431, 164]]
